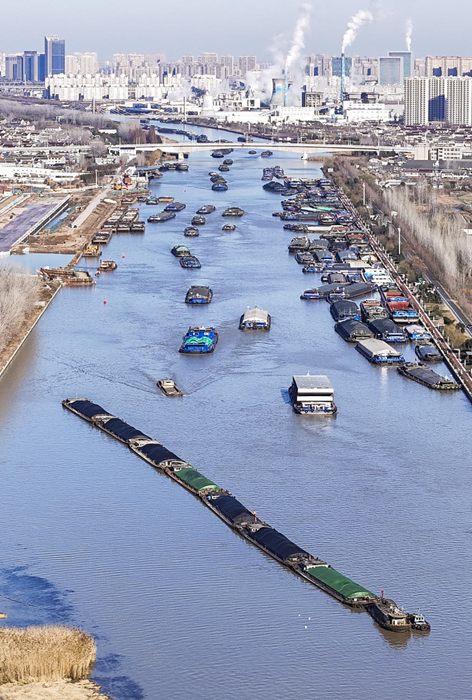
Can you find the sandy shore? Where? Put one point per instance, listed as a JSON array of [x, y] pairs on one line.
[[48, 690]]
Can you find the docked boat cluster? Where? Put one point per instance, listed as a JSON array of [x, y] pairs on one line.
[[348, 268]]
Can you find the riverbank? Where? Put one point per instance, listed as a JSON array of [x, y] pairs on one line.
[[57, 690], [47, 293]]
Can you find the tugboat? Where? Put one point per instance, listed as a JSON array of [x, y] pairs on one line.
[[388, 615], [198, 220], [267, 154], [219, 187], [223, 168], [198, 294], [419, 623], [169, 387], [228, 227], [191, 232], [228, 161], [252, 153], [199, 340]]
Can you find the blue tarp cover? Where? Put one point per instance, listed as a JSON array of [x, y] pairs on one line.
[[87, 408], [230, 507], [158, 453], [122, 430], [276, 543]]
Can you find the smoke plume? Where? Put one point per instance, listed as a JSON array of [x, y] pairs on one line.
[[408, 33], [355, 23], [298, 39]]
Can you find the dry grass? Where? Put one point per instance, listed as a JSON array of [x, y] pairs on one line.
[[19, 292], [45, 653]]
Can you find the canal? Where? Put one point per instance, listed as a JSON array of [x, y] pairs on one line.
[[180, 606]]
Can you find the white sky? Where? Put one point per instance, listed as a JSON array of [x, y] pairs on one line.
[[177, 27]]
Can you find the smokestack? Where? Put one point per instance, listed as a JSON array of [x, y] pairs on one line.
[[343, 75]]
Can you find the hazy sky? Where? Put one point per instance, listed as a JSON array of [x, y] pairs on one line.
[[177, 27]]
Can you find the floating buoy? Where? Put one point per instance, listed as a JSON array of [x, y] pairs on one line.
[[105, 301]]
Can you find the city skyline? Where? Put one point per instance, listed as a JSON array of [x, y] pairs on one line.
[[245, 29]]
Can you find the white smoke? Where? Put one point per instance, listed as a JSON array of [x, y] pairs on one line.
[[286, 60], [355, 23], [298, 39], [408, 33]]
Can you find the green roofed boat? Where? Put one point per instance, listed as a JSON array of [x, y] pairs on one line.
[[195, 481], [199, 341], [341, 587]]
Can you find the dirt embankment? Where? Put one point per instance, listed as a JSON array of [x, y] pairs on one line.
[[52, 690]]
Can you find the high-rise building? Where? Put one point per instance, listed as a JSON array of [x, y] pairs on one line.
[[81, 64], [14, 67], [447, 66], [416, 96], [41, 67], [437, 93], [55, 53], [438, 100], [459, 101], [390, 70], [406, 56], [30, 66]]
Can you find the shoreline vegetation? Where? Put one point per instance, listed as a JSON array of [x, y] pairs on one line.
[[47, 662], [23, 300]]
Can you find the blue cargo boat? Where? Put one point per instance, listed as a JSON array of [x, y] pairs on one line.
[[199, 340]]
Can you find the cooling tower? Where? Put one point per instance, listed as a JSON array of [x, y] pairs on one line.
[[280, 88]]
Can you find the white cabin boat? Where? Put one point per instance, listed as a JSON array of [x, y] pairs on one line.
[[255, 319], [312, 394]]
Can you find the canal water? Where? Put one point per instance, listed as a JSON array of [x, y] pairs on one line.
[[180, 606]]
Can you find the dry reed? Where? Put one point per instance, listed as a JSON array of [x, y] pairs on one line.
[[45, 653], [19, 292]]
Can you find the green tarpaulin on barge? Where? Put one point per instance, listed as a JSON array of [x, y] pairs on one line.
[[338, 582], [194, 479]]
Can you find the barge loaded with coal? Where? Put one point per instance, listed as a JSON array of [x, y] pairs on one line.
[[241, 519]]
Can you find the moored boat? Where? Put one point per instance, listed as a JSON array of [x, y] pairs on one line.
[[428, 377], [379, 352], [428, 353], [191, 232], [228, 227], [198, 220]]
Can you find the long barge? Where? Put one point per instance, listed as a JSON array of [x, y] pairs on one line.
[[233, 513]]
